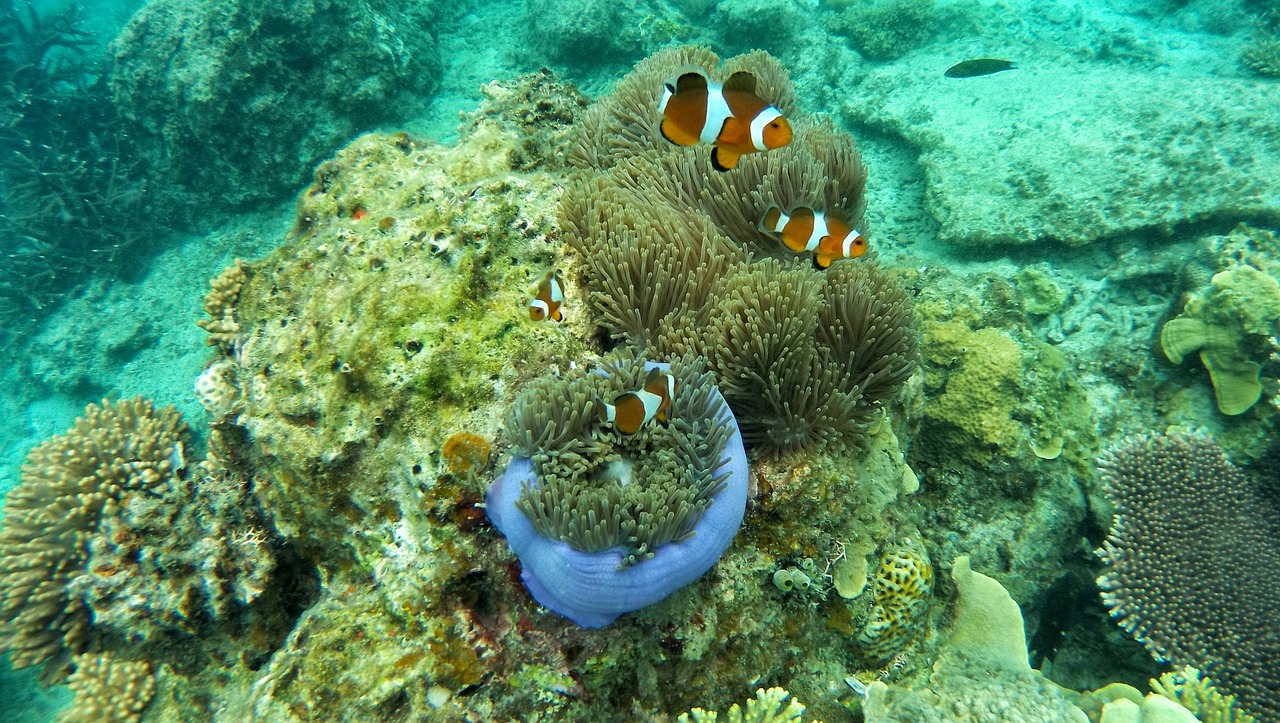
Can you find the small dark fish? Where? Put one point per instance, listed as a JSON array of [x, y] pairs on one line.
[[979, 66]]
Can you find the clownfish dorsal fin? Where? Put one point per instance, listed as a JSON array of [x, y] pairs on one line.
[[742, 82], [691, 81]]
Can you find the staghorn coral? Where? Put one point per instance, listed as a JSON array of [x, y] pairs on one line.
[[108, 690], [669, 248], [70, 485], [1193, 562]]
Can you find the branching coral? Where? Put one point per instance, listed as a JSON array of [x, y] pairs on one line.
[[1194, 562], [769, 706], [220, 305], [108, 690], [69, 485], [669, 248]]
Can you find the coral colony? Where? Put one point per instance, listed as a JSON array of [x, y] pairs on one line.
[[603, 413]]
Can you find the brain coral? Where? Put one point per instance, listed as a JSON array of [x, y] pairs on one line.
[[70, 484], [1194, 558], [677, 263], [606, 523]]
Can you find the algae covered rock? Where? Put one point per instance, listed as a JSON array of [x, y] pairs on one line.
[[236, 102]]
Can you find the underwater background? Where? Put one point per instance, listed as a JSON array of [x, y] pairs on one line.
[[1015, 463]]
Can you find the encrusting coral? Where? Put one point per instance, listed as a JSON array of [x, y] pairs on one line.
[[804, 358], [1194, 563], [108, 690], [70, 485]]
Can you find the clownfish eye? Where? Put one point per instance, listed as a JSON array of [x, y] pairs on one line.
[[773, 124]]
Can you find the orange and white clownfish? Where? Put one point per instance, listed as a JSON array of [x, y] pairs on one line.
[[549, 298], [632, 410], [729, 116], [828, 237]]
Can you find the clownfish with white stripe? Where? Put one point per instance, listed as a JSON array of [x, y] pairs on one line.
[[828, 237], [729, 116], [548, 299], [632, 410]]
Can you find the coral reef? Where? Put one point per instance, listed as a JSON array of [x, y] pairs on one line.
[[199, 83], [72, 192], [71, 485], [643, 515], [220, 306], [1193, 691], [981, 673], [889, 29], [108, 690], [803, 358], [1188, 527]]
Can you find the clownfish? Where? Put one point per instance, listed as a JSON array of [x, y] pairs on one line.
[[829, 238], [729, 116], [548, 299], [632, 410]]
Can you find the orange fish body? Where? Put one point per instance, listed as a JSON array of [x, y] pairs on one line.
[[632, 410], [548, 299], [828, 237], [729, 116]]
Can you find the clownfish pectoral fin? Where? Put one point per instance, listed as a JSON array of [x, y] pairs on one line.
[[723, 160], [741, 81], [821, 262], [673, 133], [556, 316]]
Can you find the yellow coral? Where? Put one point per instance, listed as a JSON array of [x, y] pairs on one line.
[[980, 395], [903, 589]]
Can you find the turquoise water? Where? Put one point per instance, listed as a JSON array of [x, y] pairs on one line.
[[1057, 214]]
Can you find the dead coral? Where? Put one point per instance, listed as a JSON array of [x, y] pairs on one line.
[[69, 485], [108, 690]]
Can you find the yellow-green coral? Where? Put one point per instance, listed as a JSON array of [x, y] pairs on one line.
[[903, 588], [978, 397], [769, 706], [1227, 323], [1197, 693]]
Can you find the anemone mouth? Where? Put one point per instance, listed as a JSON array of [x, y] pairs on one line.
[[596, 489]]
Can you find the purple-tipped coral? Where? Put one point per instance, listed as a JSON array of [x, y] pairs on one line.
[[603, 523]]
